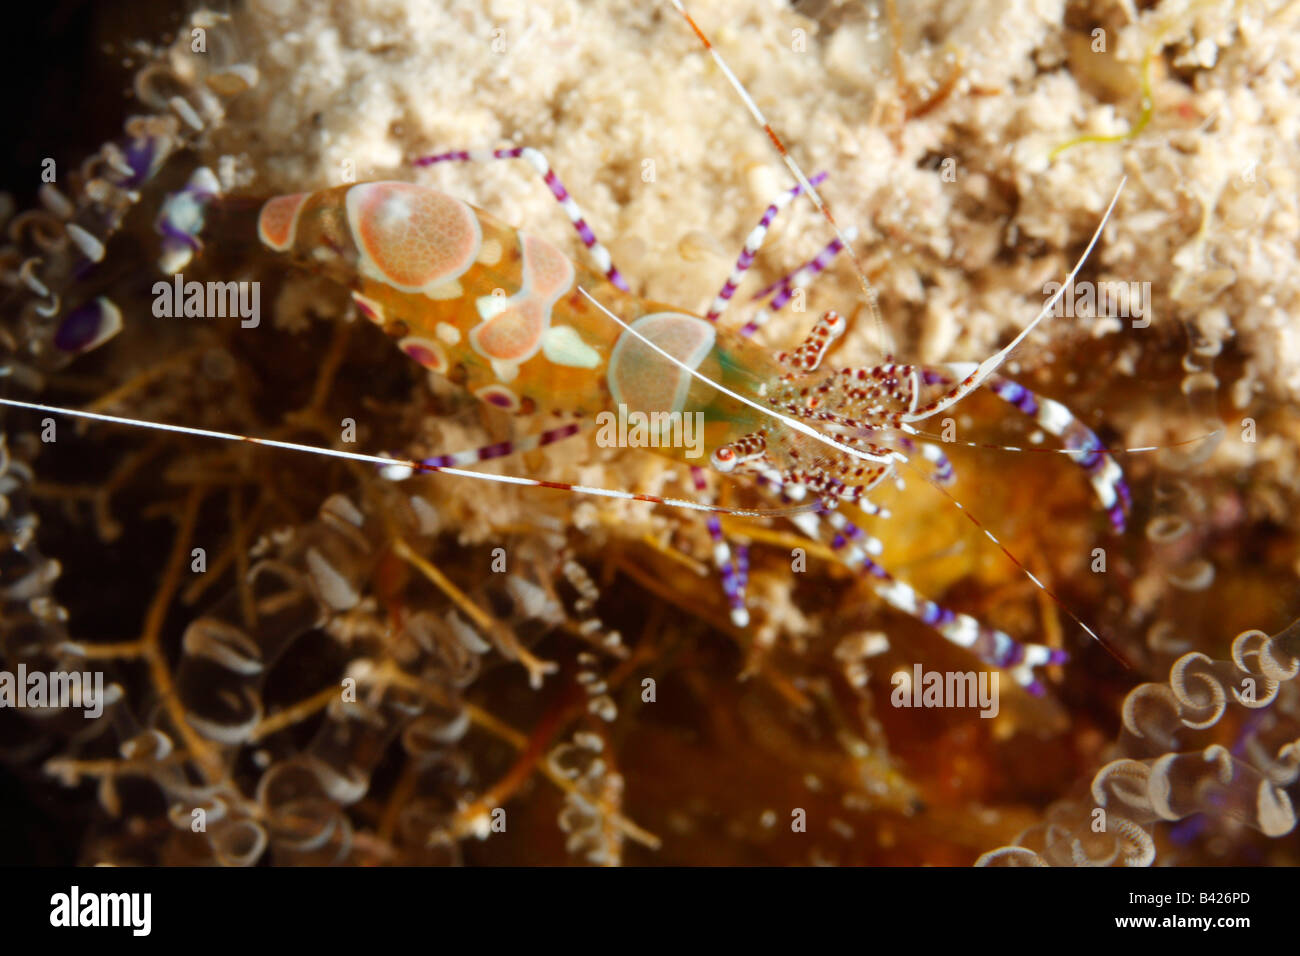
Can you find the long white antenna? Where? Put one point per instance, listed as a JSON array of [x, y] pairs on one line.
[[990, 364], [396, 462]]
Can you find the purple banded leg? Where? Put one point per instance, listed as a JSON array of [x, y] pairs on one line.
[[742, 566], [182, 218], [754, 242], [1084, 448], [994, 647], [857, 548], [943, 470], [786, 286], [787, 281], [989, 644], [499, 449], [734, 576], [534, 158]]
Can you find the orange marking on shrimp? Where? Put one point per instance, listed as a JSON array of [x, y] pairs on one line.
[[412, 238], [546, 269], [698, 32], [512, 330], [278, 221], [513, 335]]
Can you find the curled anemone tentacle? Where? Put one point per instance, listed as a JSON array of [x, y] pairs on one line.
[[273, 762], [1172, 772]]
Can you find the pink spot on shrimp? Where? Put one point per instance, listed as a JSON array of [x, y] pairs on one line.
[[369, 308], [277, 223], [427, 353], [500, 397], [412, 237]]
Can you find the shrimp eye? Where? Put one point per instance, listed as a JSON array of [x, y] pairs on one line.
[[724, 459]]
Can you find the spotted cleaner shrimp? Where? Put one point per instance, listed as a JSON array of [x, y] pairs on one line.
[[509, 317]]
